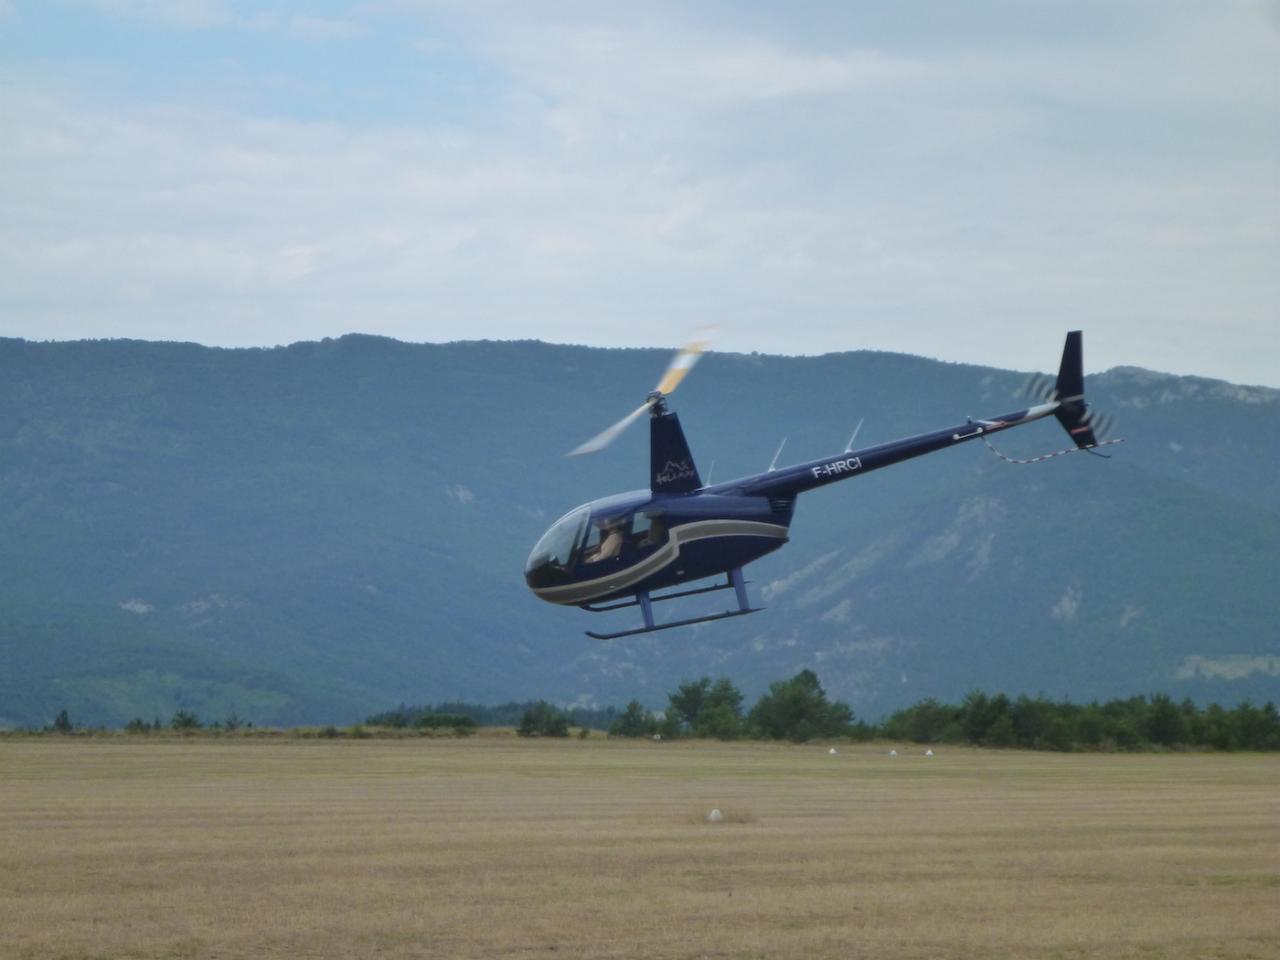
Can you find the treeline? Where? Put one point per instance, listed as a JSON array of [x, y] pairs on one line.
[[1135, 723], [799, 710], [795, 709], [510, 714], [182, 721]]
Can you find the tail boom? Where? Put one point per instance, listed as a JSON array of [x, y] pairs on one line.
[[1066, 404]]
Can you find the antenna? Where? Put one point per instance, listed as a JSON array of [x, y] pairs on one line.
[[849, 446], [707, 482], [774, 462]]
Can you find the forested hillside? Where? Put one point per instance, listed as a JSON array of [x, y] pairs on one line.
[[306, 534]]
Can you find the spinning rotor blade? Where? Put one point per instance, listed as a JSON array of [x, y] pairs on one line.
[[677, 370], [1041, 387], [1102, 423], [680, 366], [606, 437]]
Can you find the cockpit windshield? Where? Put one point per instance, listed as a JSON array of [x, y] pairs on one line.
[[557, 544], [596, 538]]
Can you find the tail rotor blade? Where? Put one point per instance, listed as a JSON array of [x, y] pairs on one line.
[[1101, 423], [606, 437], [1040, 386]]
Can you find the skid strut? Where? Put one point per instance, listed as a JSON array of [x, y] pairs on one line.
[[645, 601]]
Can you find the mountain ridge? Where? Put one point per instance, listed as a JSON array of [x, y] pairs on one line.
[[313, 532]]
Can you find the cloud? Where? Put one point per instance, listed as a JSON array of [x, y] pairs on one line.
[[1068, 606], [642, 67], [614, 175], [304, 27], [200, 14], [189, 14]]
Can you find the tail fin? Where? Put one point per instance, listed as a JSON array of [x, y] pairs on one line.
[[1073, 413], [671, 468]]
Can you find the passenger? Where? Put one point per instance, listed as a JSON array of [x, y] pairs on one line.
[[654, 534]]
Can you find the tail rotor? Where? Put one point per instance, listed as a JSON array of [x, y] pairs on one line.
[[1101, 423], [1040, 388], [1087, 427]]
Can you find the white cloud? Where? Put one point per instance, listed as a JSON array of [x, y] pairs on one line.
[[460, 493], [304, 27], [633, 174], [644, 69], [1068, 606], [178, 13], [199, 14]]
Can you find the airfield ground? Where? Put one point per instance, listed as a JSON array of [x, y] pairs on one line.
[[493, 847]]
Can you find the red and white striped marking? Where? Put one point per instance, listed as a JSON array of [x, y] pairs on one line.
[[1049, 456]]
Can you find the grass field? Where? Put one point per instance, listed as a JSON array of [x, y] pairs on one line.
[[493, 847]]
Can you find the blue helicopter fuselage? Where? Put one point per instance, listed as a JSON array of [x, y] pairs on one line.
[[647, 540], [679, 530], [643, 540]]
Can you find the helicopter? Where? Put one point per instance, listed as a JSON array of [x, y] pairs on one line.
[[616, 552]]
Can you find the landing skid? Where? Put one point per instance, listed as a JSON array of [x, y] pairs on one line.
[[645, 602]]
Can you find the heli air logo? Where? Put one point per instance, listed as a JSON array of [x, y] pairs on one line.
[[673, 471]]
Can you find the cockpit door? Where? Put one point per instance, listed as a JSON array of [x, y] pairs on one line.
[[648, 531], [618, 541]]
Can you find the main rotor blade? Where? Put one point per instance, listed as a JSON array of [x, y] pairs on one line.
[[677, 370], [680, 366], [606, 437]]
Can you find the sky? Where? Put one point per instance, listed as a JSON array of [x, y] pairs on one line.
[[960, 181]]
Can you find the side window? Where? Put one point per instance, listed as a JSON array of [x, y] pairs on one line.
[[604, 540], [647, 530]]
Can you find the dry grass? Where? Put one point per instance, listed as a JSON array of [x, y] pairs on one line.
[[488, 847]]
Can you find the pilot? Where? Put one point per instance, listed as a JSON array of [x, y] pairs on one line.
[[610, 540]]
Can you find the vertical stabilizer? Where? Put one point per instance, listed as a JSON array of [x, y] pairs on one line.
[[1073, 413], [671, 468], [1070, 383]]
